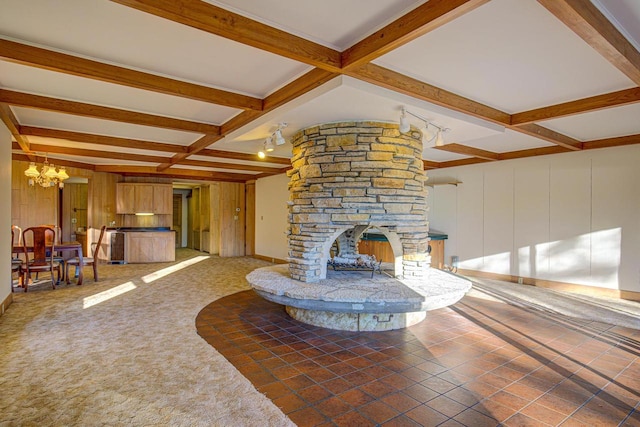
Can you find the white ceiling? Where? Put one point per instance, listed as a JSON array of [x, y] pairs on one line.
[[513, 56]]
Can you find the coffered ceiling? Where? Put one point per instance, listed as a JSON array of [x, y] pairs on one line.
[[191, 89]]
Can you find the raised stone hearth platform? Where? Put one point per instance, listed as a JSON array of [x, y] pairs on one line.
[[355, 301]]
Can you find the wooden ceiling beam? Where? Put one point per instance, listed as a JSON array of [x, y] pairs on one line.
[[242, 156], [58, 162], [194, 148], [397, 82], [220, 22], [593, 27], [111, 141], [77, 66], [11, 122], [533, 152], [148, 159], [309, 81], [428, 164], [549, 135], [461, 162], [612, 142], [298, 87], [174, 173], [21, 99], [469, 151], [418, 22], [594, 103], [233, 166], [96, 153]]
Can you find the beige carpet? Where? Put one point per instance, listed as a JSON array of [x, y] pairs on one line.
[[132, 359]]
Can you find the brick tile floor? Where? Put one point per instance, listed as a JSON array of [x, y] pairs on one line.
[[477, 363]]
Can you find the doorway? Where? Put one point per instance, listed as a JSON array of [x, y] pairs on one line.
[[177, 218]]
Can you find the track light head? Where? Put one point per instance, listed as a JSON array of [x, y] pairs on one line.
[[268, 145], [405, 126], [439, 139], [278, 137]]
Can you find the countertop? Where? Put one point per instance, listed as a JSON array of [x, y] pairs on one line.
[[140, 229], [381, 237]]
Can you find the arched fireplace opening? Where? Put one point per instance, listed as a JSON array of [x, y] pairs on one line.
[[347, 246]]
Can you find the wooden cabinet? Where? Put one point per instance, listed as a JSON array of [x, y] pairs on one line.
[[143, 198], [133, 197], [437, 253], [162, 199], [125, 198], [149, 246]]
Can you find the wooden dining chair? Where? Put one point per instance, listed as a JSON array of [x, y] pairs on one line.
[[16, 261], [92, 260], [40, 259]]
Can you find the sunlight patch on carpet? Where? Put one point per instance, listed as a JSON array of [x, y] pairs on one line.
[[166, 271], [107, 295]]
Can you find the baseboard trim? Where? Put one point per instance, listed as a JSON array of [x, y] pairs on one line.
[[270, 259], [6, 303], [557, 286]]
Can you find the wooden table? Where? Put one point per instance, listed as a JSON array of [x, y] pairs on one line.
[[61, 247]]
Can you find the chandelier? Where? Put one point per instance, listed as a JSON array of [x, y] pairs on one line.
[[48, 176]]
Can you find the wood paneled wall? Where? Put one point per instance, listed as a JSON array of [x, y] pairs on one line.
[[36, 205], [232, 219]]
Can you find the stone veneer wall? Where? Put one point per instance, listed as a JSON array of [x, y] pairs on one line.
[[353, 174]]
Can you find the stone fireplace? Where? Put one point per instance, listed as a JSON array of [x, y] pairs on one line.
[[350, 176], [346, 178]]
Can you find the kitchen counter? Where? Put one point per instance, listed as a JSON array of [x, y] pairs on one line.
[[140, 229]]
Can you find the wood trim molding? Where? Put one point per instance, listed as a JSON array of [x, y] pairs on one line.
[[557, 286], [6, 303], [270, 259]]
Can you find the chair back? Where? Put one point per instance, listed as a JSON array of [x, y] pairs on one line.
[[58, 231], [42, 239], [96, 249], [15, 230]]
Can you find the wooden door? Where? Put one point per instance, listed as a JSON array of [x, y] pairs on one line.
[[250, 218], [177, 218]]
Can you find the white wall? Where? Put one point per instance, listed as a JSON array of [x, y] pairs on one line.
[[272, 195], [572, 218], [5, 213]]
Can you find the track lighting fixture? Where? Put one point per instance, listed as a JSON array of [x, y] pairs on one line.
[[427, 134], [272, 141]]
